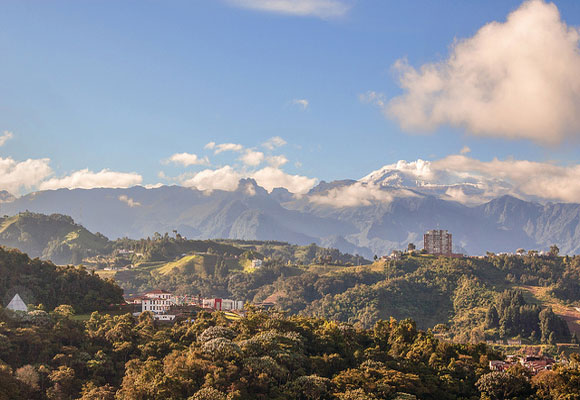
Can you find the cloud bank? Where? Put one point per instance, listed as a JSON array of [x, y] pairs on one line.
[[86, 179], [227, 178], [517, 79], [24, 175]]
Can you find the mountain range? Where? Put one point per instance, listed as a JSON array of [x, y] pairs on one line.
[[373, 215]]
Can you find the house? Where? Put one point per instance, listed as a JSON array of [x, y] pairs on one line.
[[537, 363], [16, 304], [158, 302], [257, 263]]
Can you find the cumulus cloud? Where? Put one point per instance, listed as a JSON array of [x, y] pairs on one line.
[[16, 176], [6, 136], [525, 178], [277, 161], [274, 142], [86, 179], [303, 8], [209, 146], [302, 103], [270, 178], [220, 148], [225, 178], [252, 158], [188, 159], [464, 150], [129, 201], [516, 79]]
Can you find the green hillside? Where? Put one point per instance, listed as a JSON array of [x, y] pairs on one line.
[[197, 264], [53, 237], [41, 282]]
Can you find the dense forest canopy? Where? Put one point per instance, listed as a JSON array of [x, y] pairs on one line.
[[261, 356]]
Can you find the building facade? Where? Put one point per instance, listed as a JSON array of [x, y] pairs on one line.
[[438, 242], [157, 301], [223, 304]]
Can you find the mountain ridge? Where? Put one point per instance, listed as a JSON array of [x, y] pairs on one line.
[[388, 218]]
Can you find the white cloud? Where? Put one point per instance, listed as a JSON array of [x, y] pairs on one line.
[[6, 136], [526, 178], [252, 158], [187, 159], [86, 179], [376, 98], [303, 8], [209, 146], [517, 79], [220, 148], [225, 178], [357, 194], [270, 178], [16, 176], [129, 201], [303, 103], [274, 142], [277, 161], [464, 150]]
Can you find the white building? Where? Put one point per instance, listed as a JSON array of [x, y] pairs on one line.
[[16, 304], [157, 301], [223, 304], [257, 263]]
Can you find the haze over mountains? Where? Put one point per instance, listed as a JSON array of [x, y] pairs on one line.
[[383, 211]]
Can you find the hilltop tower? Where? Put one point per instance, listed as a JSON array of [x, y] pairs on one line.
[[438, 242]]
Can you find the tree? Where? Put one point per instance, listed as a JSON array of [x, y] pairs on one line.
[[411, 247], [554, 251], [92, 392], [491, 318], [502, 385]]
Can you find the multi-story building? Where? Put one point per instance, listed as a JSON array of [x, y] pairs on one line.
[[438, 242], [157, 301]]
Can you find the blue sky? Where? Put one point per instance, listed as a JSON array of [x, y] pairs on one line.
[[124, 85]]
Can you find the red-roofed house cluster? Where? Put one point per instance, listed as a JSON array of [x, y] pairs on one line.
[[534, 364]]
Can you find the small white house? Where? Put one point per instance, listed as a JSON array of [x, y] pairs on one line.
[[257, 263], [16, 304]]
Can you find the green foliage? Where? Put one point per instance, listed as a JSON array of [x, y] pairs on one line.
[[41, 282], [261, 356]]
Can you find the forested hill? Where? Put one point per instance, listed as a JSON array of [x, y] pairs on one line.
[[59, 239], [258, 357], [52, 237], [42, 283]]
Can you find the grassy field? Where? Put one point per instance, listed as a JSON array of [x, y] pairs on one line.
[[539, 295]]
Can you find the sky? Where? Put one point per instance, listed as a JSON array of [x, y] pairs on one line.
[[115, 93]]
